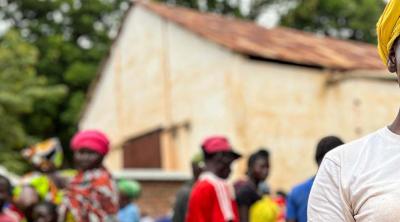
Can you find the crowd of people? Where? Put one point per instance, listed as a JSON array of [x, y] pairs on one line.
[[89, 193], [211, 197]]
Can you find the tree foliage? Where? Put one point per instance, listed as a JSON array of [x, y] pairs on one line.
[[20, 89], [348, 19], [71, 37], [251, 9]]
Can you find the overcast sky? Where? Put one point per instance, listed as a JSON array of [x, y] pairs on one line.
[[269, 18], [3, 27]]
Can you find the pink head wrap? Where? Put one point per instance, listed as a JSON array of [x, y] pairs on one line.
[[91, 139]]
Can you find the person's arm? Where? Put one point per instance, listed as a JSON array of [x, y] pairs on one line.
[[244, 213], [326, 201]]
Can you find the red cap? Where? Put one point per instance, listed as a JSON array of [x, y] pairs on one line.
[[216, 144]]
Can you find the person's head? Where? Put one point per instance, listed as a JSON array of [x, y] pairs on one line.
[[89, 147], [325, 145], [86, 159], [394, 58], [219, 156], [128, 192], [5, 191], [46, 156], [388, 30], [258, 165], [197, 164], [44, 212], [281, 193]]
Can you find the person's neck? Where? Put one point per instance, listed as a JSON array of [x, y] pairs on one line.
[[91, 169], [395, 126], [213, 172], [254, 181]]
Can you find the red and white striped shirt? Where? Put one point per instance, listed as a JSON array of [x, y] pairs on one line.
[[212, 199]]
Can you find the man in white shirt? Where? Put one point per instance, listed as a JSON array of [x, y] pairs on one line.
[[360, 181]]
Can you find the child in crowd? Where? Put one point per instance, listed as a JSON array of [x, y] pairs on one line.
[[128, 192]]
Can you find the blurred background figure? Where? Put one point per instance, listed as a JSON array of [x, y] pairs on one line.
[[212, 199], [280, 200], [44, 212], [92, 195], [6, 215], [253, 203], [45, 183], [297, 200], [46, 156], [25, 202], [182, 197], [264, 210], [164, 219], [129, 191]]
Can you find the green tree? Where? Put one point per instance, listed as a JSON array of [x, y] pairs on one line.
[[20, 89], [347, 19], [250, 10], [72, 36]]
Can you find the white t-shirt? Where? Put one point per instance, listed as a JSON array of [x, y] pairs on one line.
[[359, 181]]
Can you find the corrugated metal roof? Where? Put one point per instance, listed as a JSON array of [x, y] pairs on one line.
[[279, 44]]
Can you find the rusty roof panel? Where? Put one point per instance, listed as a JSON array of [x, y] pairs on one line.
[[281, 44]]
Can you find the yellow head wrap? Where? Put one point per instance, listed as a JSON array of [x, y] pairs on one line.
[[388, 28]]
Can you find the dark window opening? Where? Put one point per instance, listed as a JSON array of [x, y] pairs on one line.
[[143, 151]]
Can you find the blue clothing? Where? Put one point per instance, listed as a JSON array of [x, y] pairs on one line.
[[165, 219], [130, 213], [297, 200]]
